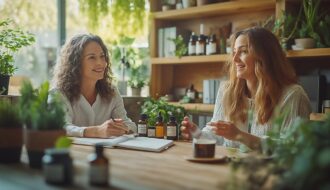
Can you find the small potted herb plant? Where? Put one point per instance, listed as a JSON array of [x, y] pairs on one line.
[[137, 78], [43, 116], [11, 40], [152, 107], [11, 139]]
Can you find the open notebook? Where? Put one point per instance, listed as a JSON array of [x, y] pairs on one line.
[[128, 141]]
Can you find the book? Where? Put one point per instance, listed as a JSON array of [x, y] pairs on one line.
[[129, 142]]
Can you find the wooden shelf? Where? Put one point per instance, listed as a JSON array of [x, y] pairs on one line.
[[191, 59], [316, 52], [216, 9], [195, 107], [221, 58]]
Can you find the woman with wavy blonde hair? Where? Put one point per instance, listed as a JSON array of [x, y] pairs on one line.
[[83, 77], [260, 81]]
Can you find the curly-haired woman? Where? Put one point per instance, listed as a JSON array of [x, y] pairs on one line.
[[83, 77], [260, 80]]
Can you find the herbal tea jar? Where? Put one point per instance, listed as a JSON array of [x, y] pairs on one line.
[[57, 166]]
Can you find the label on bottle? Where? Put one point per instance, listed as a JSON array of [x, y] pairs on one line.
[[98, 174], [171, 131], [212, 48], [151, 132], [54, 173], [191, 49], [208, 49], [200, 49], [142, 129], [191, 94]]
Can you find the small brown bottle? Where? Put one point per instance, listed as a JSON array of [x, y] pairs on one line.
[[172, 129], [142, 126], [191, 93], [98, 167], [211, 47], [200, 45], [192, 44], [159, 127]]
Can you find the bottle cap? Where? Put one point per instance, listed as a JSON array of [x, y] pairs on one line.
[[160, 117], [98, 148], [172, 118], [144, 116]]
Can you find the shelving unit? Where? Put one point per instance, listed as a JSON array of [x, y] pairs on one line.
[[173, 72], [195, 107]]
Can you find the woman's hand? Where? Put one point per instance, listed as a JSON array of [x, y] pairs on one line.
[[111, 127], [225, 129], [187, 128]]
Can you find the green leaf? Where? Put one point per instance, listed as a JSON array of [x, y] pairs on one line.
[[63, 142]]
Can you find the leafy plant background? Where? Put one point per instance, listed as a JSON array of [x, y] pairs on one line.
[[152, 107], [300, 159]]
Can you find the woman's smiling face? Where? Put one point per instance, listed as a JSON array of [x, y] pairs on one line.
[[243, 59]]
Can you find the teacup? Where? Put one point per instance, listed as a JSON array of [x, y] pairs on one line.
[[204, 148]]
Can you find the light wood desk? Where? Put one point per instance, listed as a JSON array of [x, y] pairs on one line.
[[130, 169]]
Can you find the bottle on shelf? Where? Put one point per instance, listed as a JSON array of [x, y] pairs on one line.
[[192, 44], [211, 46], [142, 126], [159, 126], [98, 167], [191, 93], [200, 43], [172, 129]]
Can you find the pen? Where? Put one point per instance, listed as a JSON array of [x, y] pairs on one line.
[[119, 126]]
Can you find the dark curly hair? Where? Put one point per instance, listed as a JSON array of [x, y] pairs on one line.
[[67, 73]]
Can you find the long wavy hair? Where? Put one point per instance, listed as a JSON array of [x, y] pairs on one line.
[[67, 73], [273, 73]]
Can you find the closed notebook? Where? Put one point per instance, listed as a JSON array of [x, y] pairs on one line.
[[128, 141]]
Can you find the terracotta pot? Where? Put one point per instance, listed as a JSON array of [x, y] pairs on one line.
[[11, 142], [36, 141]]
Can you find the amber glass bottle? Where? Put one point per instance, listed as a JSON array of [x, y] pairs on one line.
[[99, 167], [159, 126], [172, 129], [142, 125]]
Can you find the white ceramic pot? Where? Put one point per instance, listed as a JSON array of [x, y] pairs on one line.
[[305, 43]]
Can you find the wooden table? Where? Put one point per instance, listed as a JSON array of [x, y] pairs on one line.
[[130, 169]]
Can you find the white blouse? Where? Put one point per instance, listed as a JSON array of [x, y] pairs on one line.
[[80, 114], [294, 100]]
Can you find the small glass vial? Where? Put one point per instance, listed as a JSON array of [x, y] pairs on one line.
[[192, 44], [191, 93], [142, 125], [98, 167], [200, 45], [172, 129], [159, 126], [57, 166], [211, 47], [151, 132]]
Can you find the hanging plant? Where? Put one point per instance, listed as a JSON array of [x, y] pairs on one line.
[[93, 10], [129, 17]]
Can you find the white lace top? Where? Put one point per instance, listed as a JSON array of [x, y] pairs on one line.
[[294, 100]]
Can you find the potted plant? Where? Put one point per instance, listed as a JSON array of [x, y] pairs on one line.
[[307, 35], [299, 159], [43, 116], [137, 78], [11, 40], [11, 139], [180, 46], [152, 107]]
